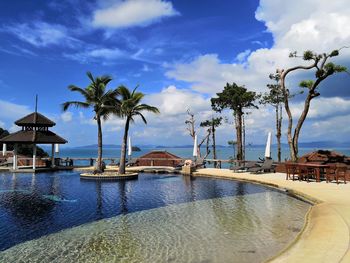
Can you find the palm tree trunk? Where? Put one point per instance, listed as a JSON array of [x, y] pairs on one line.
[[123, 149], [99, 167]]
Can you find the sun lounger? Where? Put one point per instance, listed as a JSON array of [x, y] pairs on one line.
[[244, 167], [131, 163], [267, 166]]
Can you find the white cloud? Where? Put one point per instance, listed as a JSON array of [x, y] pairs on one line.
[[172, 101], [104, 55], [67, 116], [132, 13], [241, 57], [12, 111], [324, 107], [332, 127], [146, 68], [41, 34]]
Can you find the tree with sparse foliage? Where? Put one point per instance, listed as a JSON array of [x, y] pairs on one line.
[[103, 102], [130, 107], [322, 69], [212, 124], [237, 98]]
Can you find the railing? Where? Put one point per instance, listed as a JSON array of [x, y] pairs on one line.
[[72, 161]]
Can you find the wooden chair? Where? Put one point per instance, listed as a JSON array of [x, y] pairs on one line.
[[307, 173], [292, 170], [340, 173], [330, 173], [334, 173]]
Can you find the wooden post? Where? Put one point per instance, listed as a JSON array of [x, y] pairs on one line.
[[15, 157], [53, 155], [34, 156]]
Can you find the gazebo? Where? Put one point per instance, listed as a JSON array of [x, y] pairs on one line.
[[35, 130]]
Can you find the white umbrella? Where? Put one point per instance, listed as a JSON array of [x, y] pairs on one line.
[[268, 146], [4, 149], [129, 147], [195, 147], [57, 148]]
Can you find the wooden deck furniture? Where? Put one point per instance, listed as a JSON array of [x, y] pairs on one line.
[[335, 173], [292, 170], [330, 173], [311, 170]]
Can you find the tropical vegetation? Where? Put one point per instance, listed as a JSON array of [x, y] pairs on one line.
[[236, 98], [322, 69], [103, 102], [129, 108]]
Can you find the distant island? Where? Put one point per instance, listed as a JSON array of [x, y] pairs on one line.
[[136, 149]]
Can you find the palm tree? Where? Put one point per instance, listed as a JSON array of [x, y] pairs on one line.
[[103, 103], [131, 107]]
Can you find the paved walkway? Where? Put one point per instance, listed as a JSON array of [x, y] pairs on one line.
[[326, 234]]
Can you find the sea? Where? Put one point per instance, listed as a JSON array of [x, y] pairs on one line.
[[252, 152]]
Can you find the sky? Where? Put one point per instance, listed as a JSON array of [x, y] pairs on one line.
[[180, 53]]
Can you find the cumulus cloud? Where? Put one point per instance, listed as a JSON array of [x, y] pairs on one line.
[[174, 101], [67, 116], [132, 13], [41, 34], [324, 107]]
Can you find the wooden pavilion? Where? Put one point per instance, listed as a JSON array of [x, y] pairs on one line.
[[159, 158], [34, 130]]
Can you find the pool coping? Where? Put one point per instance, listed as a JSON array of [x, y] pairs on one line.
[[312, 243]]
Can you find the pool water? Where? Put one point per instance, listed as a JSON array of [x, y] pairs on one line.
[[57, 217]]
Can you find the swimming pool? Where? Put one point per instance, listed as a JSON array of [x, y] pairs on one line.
[[156, 218]]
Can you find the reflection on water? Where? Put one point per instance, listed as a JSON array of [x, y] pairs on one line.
[[154, 218]]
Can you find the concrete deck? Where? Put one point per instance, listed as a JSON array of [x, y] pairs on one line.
[[326, 235]]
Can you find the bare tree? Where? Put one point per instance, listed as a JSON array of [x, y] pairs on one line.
[[213, 123]]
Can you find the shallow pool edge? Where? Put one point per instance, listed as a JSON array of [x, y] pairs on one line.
[[291, 192]]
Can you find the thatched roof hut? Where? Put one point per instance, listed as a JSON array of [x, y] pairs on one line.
[[326, 157], [159, 158]]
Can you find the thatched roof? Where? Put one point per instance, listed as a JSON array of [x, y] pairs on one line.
[[159, 154], [35, 119], [38, 137], [324, 156]]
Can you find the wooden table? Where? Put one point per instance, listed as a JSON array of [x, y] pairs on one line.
[[316, 166]]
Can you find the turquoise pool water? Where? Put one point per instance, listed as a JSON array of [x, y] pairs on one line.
[[158, 218]]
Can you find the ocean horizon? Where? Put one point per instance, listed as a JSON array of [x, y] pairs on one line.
[[252, 152]]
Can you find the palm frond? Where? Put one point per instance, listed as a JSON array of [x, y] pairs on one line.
[[80, 90], [77, 104], [146, 107], [142, 117], [134, 90], [91, 77], [124, 92]]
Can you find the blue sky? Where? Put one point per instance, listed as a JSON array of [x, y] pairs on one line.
[[179, 52]]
